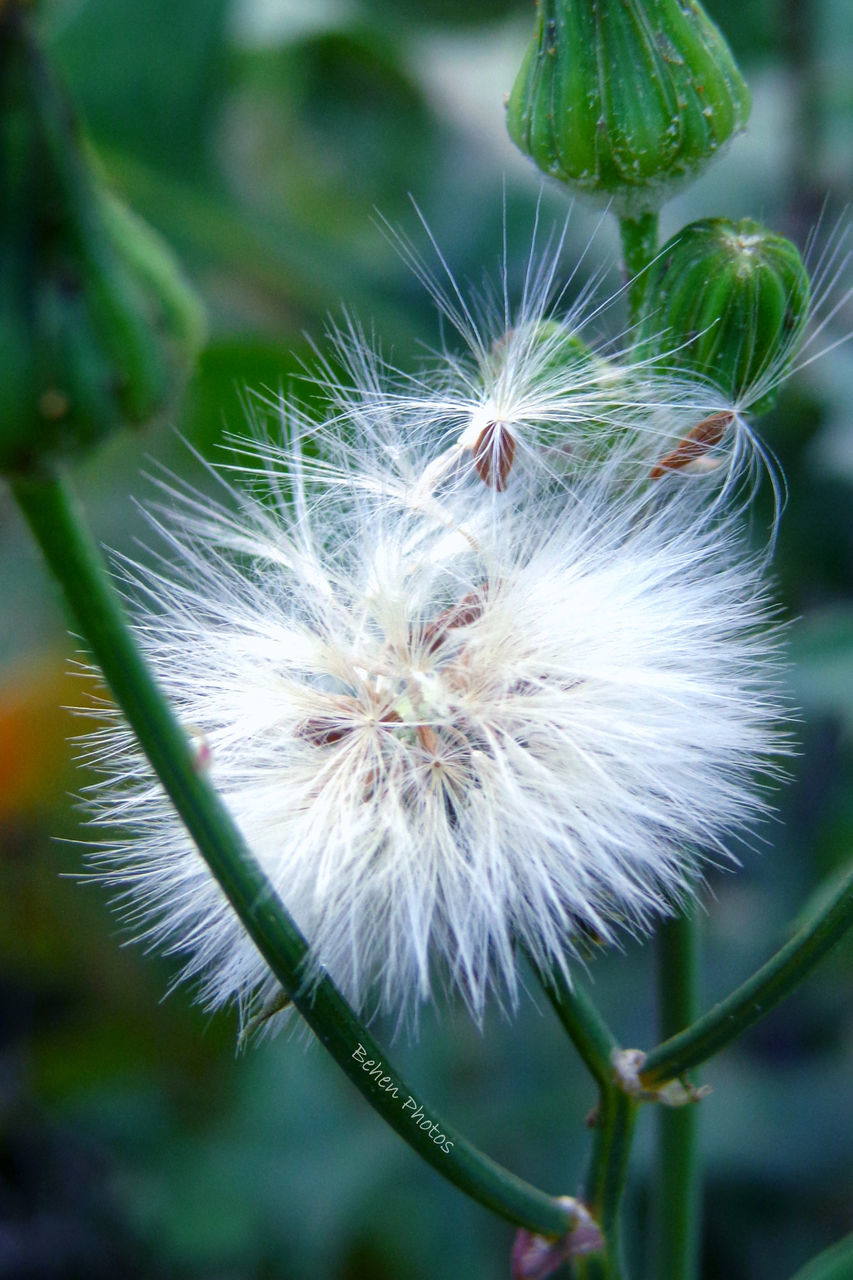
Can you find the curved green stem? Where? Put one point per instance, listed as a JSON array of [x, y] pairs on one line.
[[76, 562], [639, 245], [678, 1205], [758, 995]]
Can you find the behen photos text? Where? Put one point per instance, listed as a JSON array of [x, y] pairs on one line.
[[386, 1083]]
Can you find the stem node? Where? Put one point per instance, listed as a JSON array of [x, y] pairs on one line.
[[628, 1073]]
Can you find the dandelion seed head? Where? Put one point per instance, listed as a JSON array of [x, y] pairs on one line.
[[481, 664], [452, 722]]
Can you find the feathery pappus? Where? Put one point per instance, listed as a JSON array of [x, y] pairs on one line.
[[454, 718]]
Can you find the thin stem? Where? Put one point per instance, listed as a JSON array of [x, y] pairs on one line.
[[639, 245], [758, 995], [679, 1191], [613, 1125], [614, 1134], [77, 564], [588, 1031]]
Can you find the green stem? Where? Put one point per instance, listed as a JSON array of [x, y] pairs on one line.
[[679, 1180], [613, 1136], [613, 1127], [639, 245], [76, 562], [758, 995], [588, 1031]]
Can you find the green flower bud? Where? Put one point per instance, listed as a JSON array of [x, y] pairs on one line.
[[622, 99], [728, 301], [98, 327]]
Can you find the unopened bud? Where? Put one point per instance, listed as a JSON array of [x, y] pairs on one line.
[[622, 101], [728, 301], [98, 327]]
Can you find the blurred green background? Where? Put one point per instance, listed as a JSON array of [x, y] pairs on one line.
[[261, 137]]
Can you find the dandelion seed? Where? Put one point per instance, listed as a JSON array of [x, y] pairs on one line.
[[695, 445], [532, 386], [527, 382], [494, 452]]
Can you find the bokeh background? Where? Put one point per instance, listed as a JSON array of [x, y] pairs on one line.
[[262, 137]]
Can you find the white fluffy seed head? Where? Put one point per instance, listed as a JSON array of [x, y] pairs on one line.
[[452, 719], [486, 668]]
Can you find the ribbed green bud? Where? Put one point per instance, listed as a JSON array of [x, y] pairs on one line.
[[728, 301], [623, 99], [98, 326]]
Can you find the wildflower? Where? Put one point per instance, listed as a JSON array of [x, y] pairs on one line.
[[452, 719]]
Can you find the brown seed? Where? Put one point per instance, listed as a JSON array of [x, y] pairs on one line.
[[427, 738], [494, 452], [468, 610], [323, 731], [704, 436]]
